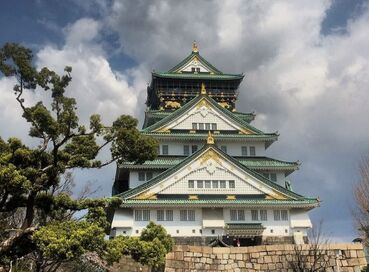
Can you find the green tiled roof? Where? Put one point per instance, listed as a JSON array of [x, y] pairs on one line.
[[193, 102], [304, 203], [197, 76], [256, 163], [161, 176]]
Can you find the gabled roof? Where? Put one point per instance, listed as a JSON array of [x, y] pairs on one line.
[[182, 110], [150, 184], [153, 116], [189, 58]]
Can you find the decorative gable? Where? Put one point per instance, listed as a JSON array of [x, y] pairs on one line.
[[194, 66], [209, 173], [203, 115]]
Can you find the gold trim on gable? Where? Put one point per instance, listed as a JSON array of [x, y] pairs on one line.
[[210, 154], [203, 103], [145, 195]]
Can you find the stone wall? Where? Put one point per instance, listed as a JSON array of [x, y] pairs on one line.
[[127, 264], [334, 257]]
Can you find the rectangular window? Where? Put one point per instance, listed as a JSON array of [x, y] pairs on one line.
[[241, 215], [263, 215], [194, 126], [169, 215], [141, 176], [138, 215], [273, 176], [191, 184], [254, 215], [201, 126], [244, 150], [187, 215], [165, 149], [186, 150], [231, 184], [207, 126], [200, 184], [194, 148], [148, 175], [145, 215], [214, 126], [191, 215], [198, 70], [222, 184], [160, 215], [233, 215], [277, 215], [252, 151], [183, 215], [215, 184], [284, 215], [193, 69], [207, 184]]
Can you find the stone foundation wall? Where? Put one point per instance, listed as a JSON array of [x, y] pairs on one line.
[[334, 257], [127, 264]]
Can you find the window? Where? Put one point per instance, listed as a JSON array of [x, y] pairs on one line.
[[215, 184], [244, 150], [224, 148], [187, 215], [165, 149], [273, 176], [193, 231], [277, 215], [193, 69], [141, 176], [222, 184], [212, 231], [169, 215], [186, 150], [252, 151], [213, 126], [254, 215], [207, 126], [194, 148], [191, 184], [207, 184], [148, 175], [231, 184], [284, 215], [200, 184], [263, 215], [160, 215], [201, 126], [198, 70], [194, 126], [142, 215], [237, 215]]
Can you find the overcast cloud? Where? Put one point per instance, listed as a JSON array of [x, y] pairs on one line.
[[310, 86]]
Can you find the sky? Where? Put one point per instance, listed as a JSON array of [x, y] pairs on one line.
[[306, 66]]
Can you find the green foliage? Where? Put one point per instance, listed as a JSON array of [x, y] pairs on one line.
[[30, 176], [148, 249], [64, 241]]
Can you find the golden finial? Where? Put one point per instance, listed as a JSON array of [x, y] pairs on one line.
[[194, 47], [210, 138], [203, 89]]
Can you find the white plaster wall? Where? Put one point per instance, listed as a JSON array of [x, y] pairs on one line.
[[300, 219], [124, 221], [175, 148], [181, 186], [194, 116], [195, 64], [133, 178]]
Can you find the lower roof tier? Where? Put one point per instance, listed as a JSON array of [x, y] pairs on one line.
[[255, 163], [306, 203]]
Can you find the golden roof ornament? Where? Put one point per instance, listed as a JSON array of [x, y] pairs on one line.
[[203, 89], [195, 49], [210, 138]]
